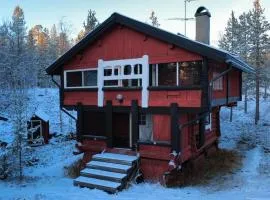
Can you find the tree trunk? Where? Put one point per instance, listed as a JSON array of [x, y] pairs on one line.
[[257, 109]]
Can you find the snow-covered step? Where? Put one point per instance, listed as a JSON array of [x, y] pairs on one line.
[[104, 175], [108, 186], [111, 167], [115, 158]]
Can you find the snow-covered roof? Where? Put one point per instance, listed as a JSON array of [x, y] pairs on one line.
[[39, 113]]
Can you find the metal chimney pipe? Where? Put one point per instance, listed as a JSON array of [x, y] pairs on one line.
[[202, 16]]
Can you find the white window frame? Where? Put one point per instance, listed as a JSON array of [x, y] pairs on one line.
[[78, 70]]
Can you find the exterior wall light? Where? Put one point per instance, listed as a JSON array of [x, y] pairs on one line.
[[119, 98]]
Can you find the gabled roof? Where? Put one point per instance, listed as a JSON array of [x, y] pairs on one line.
[[178, 40]]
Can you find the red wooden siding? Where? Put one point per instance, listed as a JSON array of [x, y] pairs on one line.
[[218, 67], [123, 43], [86, 97], [128, 96], [234, 90], [161, 128], [186, 98]]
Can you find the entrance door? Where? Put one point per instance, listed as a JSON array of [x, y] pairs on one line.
[[120, 130]]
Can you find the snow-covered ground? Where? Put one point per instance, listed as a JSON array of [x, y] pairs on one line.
[[47, 180], [47, 101]]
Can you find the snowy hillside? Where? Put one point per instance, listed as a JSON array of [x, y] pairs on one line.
[[47, 180]]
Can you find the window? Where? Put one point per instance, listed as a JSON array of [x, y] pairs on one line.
[[142, 119], [123, 76], [90, 78], [138, 69], [217, 84], [127, 70], [176, 74], [167, 74], [189, 73], [107, 72], [111, 83], [80, 78], [74, 79]]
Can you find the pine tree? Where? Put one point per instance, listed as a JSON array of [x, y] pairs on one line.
[[259, 43], [244, 51], [91, 22], [229, 40], [154, 20]]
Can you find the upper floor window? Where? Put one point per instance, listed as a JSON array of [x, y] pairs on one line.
[[189, 73], [176, 74], [80, 78], [217, 84], [167, 74]]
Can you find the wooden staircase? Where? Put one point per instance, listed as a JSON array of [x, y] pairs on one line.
[[110, 172]]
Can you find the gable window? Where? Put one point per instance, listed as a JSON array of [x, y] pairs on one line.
[[85, 78], [217, 84]]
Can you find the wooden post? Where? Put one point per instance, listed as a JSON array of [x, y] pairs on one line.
[[134, 123], [79, 121], [218, 122], [175, 131], [231, 114], [202, 131], [109, 132], [205, 85]]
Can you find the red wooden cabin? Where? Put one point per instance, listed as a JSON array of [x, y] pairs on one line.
[[142, 89]]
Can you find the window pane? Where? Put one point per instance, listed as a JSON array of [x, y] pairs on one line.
[[74, 79], [189, 73], [107, 72], [132, 82], [111, 83], [90, 78], [167, 74], [138, 69], [127, 70]]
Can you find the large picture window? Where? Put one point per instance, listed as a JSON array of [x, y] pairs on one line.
[[189, 73], [167, 74], [176, 74], [80, 78]]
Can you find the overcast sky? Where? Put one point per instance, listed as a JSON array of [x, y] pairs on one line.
[[48, 12]]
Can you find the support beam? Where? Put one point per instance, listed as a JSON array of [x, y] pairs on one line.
[[205, 84], [108, 123], [134, 122], [175, 130], [202, 131], [79, 121]]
